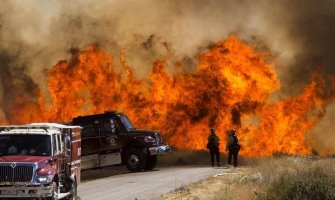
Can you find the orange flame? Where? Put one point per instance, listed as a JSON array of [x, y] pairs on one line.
[[233, 87]]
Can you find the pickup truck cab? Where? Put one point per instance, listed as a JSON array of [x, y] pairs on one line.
[[111, 139]]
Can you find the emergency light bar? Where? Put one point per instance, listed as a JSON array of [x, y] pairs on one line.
[[44, 126]]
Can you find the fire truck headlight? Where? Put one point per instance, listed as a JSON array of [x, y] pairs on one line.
[[44, 179], [149, 139]]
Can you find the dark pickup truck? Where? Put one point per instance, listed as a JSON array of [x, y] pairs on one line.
[[111, 139]]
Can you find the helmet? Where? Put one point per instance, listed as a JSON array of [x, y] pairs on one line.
[[212, 129], [233, 132]]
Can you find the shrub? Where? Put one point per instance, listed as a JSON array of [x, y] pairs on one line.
[[309, 184]]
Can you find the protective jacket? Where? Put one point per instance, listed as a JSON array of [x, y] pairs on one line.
[[232, 143], [213, 142]]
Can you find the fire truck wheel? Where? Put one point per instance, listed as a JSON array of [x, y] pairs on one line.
[[135, 160], [151, 162], [55, 192]]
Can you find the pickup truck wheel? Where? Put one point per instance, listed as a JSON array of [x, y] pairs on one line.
[[151, 162], [55, 192], [135, 160]]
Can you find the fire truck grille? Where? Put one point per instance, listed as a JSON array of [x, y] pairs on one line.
[[21, 173]]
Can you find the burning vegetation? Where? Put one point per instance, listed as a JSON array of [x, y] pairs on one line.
[[233, 86]]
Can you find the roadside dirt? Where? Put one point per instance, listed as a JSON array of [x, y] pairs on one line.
[[145, 185]]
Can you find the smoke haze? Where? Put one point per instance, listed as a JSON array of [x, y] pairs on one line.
[[35, 35]]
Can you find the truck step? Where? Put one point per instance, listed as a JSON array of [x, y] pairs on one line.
[[62, 195]]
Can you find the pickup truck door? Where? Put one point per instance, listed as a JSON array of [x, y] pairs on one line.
[[110, 135], [90, 141], [90, 145]]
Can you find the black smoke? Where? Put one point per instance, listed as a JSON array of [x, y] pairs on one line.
[[34, 36]]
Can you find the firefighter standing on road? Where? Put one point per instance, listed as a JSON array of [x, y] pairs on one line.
[[233, 146], [213, 146]]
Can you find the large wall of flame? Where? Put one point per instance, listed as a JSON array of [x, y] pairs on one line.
[[34, 36], [231, 82]]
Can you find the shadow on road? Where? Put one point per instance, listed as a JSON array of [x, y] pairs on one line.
[[174, 159], [91, 174]]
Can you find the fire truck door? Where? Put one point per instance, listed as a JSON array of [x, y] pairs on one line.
[[56, 152], [67, 153], [60, 156]]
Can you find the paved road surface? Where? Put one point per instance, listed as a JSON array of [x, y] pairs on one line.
[[144, 185]]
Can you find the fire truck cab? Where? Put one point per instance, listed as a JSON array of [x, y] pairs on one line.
[[40, 160]]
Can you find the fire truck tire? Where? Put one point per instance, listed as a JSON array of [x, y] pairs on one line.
[[135, 160], [55, 192], [151, 162]]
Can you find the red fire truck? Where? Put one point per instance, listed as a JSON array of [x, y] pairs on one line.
[[40, 160]]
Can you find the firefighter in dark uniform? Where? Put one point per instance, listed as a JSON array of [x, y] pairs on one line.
[[213, 146], [233, 147]]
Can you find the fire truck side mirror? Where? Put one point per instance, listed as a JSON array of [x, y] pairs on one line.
[[49, 161]]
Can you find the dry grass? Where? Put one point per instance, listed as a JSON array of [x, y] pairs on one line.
[[252, 181]]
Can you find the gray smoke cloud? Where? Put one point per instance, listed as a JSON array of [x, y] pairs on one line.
[[35, 35], [324, 131]]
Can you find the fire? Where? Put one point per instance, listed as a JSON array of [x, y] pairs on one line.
[[233, 87]]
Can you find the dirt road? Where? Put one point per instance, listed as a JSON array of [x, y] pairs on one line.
[[144, 185]]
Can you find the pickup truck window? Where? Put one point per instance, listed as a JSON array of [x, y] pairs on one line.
[[32, 145], [109, 127], [88, 131], [126, 122]]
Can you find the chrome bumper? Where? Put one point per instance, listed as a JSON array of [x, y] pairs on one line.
[[159, 150], [25, 191]]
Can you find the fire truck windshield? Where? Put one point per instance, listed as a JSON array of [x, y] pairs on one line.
[[25, 145], [126, 122]]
